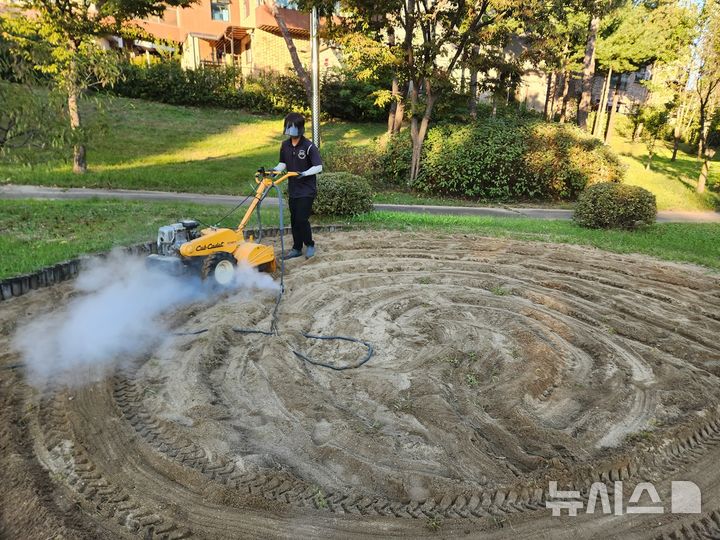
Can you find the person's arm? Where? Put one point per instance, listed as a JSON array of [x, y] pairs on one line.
[[280, 167], [312, 170]]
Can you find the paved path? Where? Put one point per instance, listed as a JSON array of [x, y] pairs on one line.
[[10, 191]]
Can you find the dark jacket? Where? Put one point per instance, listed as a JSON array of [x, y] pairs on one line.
[[299, 159]]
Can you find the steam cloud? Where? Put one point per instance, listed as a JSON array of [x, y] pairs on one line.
[[114, 318]]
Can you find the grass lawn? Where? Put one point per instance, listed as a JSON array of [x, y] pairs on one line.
[[164, 147], [695, 243], [40, 233], [672, 182]]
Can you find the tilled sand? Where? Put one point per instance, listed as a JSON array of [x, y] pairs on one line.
[[498, 365]]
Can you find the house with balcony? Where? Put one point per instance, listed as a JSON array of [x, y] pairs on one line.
[[241, 33]]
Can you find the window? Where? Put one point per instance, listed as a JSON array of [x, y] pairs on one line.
[[220, 10]]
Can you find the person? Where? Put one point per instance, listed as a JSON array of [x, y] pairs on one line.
[[300, 155]]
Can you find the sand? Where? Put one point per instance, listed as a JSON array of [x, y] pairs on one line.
[[499, 365]]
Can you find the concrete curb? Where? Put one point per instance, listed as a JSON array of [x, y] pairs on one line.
[[63, 271]]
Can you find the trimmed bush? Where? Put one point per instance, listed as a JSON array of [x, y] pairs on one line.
[[344, 157], [503, 158], [342, 194], [615, 206]]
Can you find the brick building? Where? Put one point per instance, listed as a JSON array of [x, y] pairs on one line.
[[533, 89], [241, 33]]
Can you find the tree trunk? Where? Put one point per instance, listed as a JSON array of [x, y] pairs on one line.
[[472, 105], [548, 99], [637, 131], [565, 97], [599, 123], [705, 170], [677, 130], [399, 117], [588, 72], [676, 143], [400, 112], [294, 56], [393, 106], [613, 109], [473, 94], [418, 128], [703, 131], [651, 148], [79, 160], [555, 105]]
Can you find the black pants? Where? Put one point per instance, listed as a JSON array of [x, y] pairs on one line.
[[300, 210]]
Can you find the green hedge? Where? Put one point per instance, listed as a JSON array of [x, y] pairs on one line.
[[342, 194], [341, 96], [502, 158], [615, 206]]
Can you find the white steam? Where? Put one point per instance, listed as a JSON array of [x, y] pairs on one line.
[[113, 319]]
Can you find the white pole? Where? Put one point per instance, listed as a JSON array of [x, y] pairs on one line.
[[315, 68]]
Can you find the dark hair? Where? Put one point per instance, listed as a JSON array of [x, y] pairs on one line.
[[296, 119]]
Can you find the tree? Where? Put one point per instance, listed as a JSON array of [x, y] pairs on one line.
[[555, 40], [596, 9], [64, 37], [637, 35], [433, 39], [654, 121], [302, 73], [712, 143], [708, 82]]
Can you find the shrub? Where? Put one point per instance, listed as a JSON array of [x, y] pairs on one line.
[[342, 96], [167, 82], [349, 98], [342, 194], [392, 165], [344, 157], [610, 205], [507, 157], [563, 161]]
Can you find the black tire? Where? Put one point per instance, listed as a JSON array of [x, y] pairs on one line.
[[210, 263]]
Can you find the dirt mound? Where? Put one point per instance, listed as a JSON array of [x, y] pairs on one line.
[[498, 366]]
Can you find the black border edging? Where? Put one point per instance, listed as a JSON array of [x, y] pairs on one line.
[[51, 275]]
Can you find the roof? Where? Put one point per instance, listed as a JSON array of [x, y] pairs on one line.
[[297, 22]]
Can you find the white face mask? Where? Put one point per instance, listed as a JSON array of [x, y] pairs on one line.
[[292, 131]]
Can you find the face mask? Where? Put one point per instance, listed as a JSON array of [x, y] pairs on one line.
[[292, 131]]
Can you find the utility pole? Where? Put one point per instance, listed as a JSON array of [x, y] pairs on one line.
[[315, 76]]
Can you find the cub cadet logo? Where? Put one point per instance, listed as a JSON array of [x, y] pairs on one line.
[[202, 247]]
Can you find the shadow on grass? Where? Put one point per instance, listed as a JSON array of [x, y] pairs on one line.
[[684, 171]]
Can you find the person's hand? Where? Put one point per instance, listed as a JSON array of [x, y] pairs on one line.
[[300, 174]]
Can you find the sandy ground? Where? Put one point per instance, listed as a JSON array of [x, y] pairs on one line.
[[498, 366]]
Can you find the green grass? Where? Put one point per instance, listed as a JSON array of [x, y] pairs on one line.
[[672, 182], [148, 145], [41, 233], [694, 243], [164, 147]]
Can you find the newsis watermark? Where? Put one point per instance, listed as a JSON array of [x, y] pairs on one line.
[[685, 498]]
